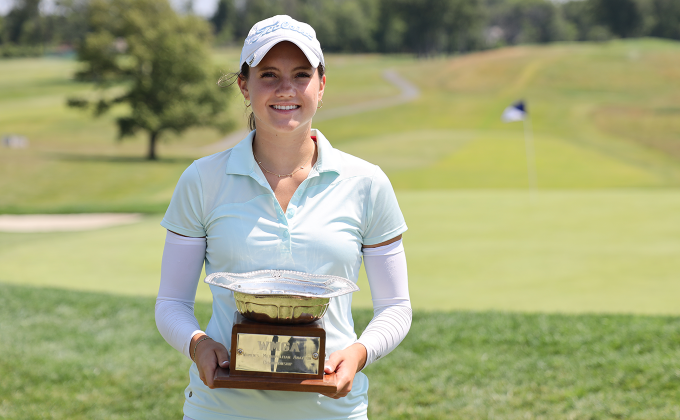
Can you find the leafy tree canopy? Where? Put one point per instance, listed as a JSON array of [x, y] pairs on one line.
[[623, 17], [160, 59], [423, 27]]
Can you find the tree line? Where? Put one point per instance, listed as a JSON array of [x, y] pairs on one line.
[[422, 27]]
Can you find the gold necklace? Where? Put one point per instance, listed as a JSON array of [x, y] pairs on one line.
[[282, 175]]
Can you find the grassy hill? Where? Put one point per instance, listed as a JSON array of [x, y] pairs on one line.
[[75, 164], [605, 116]]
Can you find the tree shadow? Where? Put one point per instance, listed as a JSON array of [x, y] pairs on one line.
[[76, 157]]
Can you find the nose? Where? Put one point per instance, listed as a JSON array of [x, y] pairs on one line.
[[285, 89]]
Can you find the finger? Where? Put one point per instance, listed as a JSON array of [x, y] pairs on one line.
[[207, 365], [344, 382], [222, 356], [344, 386], [337, 395], [331, 364], [210, 377]]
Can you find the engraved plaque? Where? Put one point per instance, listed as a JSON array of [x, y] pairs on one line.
[[277, 353]]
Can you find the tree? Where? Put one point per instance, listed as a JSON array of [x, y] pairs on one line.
[[254, 11], [160, 62], [622, 17], [23, 24], [667, 22], [526, 21], [427, 27], [69, 21], [224, 19]]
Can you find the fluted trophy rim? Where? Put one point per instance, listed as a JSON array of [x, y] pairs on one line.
[[320, 285], [282, 296]]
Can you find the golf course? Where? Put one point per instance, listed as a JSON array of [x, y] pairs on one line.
[[559, 301]]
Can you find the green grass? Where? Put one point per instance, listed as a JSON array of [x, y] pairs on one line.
[[450, 159], [76, 355], [604, 114], [75, 164], [566, 251], [560, 251], [601, 235]]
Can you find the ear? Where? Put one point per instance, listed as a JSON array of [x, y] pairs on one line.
[[322, 86], [243, 85]]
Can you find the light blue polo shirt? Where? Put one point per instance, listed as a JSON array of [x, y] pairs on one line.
[[344, 203]]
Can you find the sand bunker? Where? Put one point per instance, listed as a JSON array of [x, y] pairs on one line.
[[64, 222]]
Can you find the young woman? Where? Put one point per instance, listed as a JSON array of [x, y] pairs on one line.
[[283, 198]]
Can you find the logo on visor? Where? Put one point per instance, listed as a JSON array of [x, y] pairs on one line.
[[275, 27]]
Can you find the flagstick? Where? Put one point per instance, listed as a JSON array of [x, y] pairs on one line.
[[531, 156]]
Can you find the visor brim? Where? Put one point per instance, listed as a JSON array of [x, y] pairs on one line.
[[256, 57]]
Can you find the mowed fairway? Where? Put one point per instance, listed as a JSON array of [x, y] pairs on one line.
[[568, 251]]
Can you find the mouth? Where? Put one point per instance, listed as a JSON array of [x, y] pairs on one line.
[[285, 107]]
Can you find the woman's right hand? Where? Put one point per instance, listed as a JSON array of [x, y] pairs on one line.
[[208, 356]]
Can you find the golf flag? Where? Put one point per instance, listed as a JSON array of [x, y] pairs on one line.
[[518, 112], [515, 112]]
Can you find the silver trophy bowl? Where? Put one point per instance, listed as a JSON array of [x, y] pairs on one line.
[[281, 296]]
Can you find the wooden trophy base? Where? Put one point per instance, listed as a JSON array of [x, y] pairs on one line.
[[327, 385], [277, 358]]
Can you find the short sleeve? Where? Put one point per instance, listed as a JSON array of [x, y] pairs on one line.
[[384, 218], [185, 213]]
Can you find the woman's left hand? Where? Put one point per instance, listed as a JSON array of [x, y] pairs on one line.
[[345, 363]]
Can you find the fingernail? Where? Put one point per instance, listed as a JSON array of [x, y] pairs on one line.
[[225, 362]]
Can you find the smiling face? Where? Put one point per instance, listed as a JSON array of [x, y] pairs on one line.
[[284, 90]]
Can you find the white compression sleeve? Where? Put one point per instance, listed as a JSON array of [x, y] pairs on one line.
[[388, 279], [180, 271]]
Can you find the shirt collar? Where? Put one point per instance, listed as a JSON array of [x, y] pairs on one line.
[[242, 161], [328, 159]]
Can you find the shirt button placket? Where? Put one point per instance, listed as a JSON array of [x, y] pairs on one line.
[[281, 216], [285, 240], [290, 212]]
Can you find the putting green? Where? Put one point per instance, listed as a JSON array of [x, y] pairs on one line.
[[454, 159], [569, 251]]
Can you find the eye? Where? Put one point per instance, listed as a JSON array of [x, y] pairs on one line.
[[267, 74], [303, 74]]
